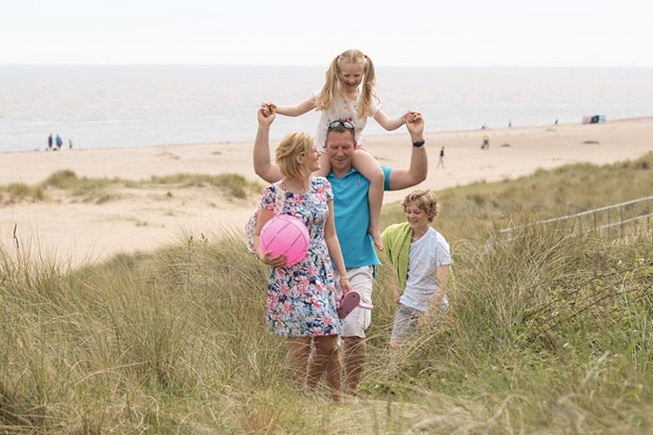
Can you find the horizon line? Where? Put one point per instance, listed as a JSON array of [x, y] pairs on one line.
[[62, 64]]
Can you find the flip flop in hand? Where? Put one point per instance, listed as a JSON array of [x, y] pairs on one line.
[[348, 303]]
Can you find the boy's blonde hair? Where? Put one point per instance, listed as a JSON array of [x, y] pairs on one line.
[[425, 200], [333, 85], [293, 145]]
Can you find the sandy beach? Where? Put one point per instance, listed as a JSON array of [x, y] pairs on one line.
[[142, 219]]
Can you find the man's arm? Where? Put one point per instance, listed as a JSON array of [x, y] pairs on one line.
[[418, 169], [262, 164]]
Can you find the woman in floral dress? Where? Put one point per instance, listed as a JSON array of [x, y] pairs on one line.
[[301, 302]]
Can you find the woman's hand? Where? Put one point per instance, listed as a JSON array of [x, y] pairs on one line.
[[279, 261], [345, 286]]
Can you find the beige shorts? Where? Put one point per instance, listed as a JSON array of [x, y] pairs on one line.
[[355, 324]]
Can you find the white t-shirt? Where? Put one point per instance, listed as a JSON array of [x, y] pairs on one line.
[[343, 110], [424, 256]]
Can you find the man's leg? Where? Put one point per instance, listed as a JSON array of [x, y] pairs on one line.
[[355, 351], [354, 326]]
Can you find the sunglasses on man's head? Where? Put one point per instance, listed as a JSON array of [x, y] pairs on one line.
[[335, 124]]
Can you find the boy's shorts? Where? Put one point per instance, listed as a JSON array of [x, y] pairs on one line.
[[355, 324], [405, 323]]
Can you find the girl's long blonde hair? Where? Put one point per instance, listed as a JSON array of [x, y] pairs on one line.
[[333, 85]]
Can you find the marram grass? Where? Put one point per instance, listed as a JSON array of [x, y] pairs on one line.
[[549, 332]]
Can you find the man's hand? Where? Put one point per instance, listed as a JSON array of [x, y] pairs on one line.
[[415, 126]]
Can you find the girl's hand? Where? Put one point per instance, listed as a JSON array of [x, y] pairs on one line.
[[408, 116], [397, 297], [279, 261], [345, 286], [266, 114]]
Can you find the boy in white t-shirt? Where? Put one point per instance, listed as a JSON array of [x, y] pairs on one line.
[[420, 258]]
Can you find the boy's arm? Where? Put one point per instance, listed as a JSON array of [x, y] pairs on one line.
[[262, 164], [418, 169], [441, 273]]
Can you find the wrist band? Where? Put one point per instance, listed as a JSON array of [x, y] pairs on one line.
[[419, 143]]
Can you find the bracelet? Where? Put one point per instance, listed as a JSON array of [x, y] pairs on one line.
[[419, 143]]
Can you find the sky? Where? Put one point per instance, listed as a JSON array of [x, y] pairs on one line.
[[509, 33]]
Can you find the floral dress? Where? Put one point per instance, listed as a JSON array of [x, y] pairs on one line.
[[301, 298]]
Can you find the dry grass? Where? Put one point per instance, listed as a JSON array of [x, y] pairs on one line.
[[547, 333]]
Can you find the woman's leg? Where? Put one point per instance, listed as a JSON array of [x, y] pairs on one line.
[[325, 355], [296, 360], [370, 168]]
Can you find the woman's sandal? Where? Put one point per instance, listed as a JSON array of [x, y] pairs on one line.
[[348, 303]]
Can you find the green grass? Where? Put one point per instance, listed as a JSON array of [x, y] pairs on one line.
[[548, 333]]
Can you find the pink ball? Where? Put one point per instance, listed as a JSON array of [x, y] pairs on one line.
[[285, 234]]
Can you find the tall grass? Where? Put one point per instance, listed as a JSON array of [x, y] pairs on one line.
[[549, 333]]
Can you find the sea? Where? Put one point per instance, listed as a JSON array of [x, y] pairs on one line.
[[136, 105]]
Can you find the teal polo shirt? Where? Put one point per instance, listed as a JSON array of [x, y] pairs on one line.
[[352, 216]]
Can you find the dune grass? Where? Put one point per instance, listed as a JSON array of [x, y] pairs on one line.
[[96, 189], [547, 333]]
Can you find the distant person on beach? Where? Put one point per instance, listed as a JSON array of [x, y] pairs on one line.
[[50, 141], [420, 259], [486, 142], [70, 143], [556, 123], [301, 303], [58, 141], [441, 161], [352, 217], [348, 95]]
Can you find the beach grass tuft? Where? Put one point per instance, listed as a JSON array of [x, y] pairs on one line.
[[16, 192]]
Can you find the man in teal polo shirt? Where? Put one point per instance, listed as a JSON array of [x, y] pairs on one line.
[[351, 215]]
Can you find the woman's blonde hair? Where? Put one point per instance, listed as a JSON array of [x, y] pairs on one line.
[[333, 87], [425, 200], [293, 145]]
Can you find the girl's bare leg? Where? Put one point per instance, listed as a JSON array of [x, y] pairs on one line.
[[370, 169], [325, 166]]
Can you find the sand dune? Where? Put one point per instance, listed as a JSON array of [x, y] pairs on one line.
[[146, 218]]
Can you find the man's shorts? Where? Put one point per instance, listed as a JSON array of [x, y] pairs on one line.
[[355, 324]]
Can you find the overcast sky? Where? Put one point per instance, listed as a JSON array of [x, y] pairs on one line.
[[287, 32]]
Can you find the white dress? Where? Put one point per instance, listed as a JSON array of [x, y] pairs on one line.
[[343, 110]]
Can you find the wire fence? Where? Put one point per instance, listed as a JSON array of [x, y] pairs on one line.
[[620, 217]]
